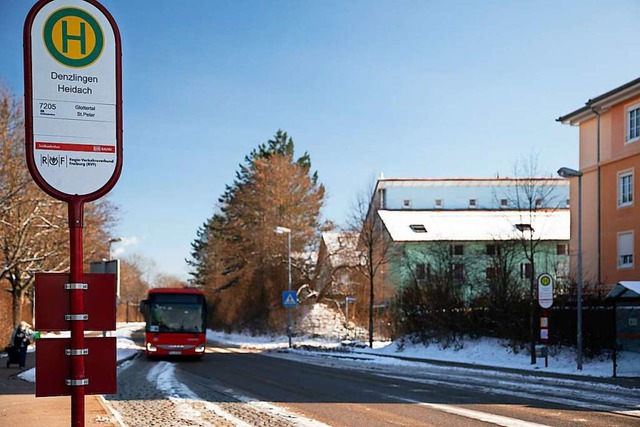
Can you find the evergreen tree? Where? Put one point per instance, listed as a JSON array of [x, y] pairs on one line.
[[237, 256]]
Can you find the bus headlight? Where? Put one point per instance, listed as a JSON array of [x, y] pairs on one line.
[[200, 348], [151, 347]]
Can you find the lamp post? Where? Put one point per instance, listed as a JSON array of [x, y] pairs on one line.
[[572, 173], [111, 241], [287, 231]]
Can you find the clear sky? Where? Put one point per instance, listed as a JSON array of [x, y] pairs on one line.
[[414, 89]]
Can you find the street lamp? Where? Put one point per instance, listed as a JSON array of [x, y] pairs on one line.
[[572, 173], [287, 231], [114, 240]]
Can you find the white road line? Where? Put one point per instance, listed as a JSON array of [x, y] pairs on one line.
[[227, 350], [496, 389], [476, 415]]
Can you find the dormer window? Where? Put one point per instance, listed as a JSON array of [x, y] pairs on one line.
[[524, 227], [418, 228]]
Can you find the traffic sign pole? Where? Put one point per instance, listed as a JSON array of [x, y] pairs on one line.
[[73, 134], [76, 304]]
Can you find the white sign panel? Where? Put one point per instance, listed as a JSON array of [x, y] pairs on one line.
[[545, 290], [74, 84]]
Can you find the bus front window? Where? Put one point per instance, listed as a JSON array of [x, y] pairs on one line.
[[176, 318]]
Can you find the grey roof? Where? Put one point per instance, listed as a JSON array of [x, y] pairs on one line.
[[625, 290]]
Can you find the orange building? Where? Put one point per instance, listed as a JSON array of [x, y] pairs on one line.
[[609, 154]]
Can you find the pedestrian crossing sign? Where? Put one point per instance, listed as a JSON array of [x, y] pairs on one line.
[[289, 299]]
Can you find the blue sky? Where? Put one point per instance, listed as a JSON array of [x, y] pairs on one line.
[[408, 88]]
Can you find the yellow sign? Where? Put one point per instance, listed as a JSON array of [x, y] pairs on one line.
[[73, 37]]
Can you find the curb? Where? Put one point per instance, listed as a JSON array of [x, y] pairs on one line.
[[117, 418], [626, 382]]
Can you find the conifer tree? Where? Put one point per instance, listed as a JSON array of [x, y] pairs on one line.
[[238, 256]]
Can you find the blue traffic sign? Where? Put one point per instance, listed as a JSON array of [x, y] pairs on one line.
[[289, 299]]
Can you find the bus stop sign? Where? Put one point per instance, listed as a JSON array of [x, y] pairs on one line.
[[73, 98]]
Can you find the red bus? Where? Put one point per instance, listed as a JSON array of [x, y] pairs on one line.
[[175, 322]]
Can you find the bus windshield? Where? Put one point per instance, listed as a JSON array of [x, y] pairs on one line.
[[176, 313]]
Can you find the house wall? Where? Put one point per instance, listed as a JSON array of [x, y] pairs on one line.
[[476, 261], [616, 155], [456, 196]]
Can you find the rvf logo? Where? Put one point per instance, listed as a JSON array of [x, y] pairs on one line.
[[52, 160], [73, 37]]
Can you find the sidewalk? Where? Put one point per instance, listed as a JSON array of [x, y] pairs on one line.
[[19, 406]]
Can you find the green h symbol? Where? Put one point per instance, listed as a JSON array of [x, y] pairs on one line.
[[81, 38]]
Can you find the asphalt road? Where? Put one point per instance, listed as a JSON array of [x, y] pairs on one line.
[[248, 388], [414, 397]]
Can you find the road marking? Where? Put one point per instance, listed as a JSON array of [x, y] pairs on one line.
[[227, 350], [500, 388], [476, 415]]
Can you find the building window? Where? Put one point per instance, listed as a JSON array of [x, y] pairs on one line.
[[406, 203], [439, 203], [568, 202], [562, 249], [538, 203], [418, 228], [458, 272], [491, 273], [633, 123], [625, 249], [423, 273], [456, 250], [504, 203], [473, 203], [526, 271], [625, 188], [562, 270], [493, 250]]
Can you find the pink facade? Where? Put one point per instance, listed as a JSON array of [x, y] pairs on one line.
[[609, 146]]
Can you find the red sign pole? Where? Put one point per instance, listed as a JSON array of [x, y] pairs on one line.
[[76, 304], [57, 37]]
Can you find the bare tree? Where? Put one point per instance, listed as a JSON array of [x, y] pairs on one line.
[[532, 196], [374, 247], [133, 286], [33, 226], [169, 281]]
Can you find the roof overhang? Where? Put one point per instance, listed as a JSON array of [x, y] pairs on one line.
[[602, 103]]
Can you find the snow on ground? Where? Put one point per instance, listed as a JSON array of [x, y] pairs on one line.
[[389, 356], [126, 348], [482, 352], [323, 321]]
